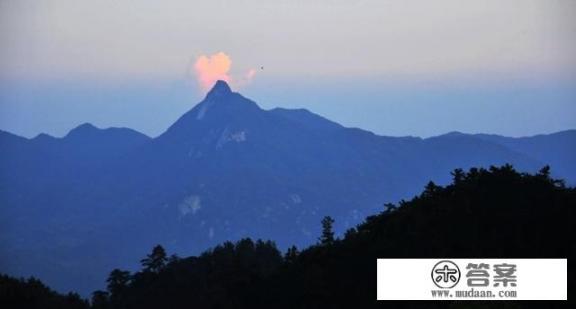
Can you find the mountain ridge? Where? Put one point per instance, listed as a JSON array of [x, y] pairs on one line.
[[226, 169]]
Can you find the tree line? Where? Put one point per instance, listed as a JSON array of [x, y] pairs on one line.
[[494, 212]]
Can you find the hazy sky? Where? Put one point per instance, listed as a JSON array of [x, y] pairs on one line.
[[394, 67]]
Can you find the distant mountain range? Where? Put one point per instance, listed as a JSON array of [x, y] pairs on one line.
[[73, 208]]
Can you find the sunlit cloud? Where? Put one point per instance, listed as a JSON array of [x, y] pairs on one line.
[[212, 68], [209, 69]]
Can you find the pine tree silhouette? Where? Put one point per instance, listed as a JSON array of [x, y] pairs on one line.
[[327, 233], [155, 261]]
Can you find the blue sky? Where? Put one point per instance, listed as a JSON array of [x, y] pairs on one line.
[[397, 68]]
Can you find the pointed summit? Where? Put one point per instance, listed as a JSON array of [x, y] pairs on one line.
[[220, 88], [222, 100], [220, 109]]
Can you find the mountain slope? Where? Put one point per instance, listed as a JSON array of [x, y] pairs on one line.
[[557, 150], [226, 169], [534, 219]]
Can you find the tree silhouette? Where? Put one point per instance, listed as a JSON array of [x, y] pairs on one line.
[[430, 189], [155, 261], [117, 286], [389, 207], [545, 172], [174, 258], [100, 300], [327, 236], [458, 176], [117, 280], [291, 254]]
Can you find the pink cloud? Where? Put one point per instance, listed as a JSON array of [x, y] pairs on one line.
[[209, 69], [212, 68]]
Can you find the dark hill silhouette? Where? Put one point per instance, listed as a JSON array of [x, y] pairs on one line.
[[33, 294], [493, 213], [72, 208]]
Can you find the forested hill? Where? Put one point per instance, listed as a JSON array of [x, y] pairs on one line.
[[494, 212]]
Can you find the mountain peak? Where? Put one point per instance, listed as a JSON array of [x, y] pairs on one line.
[[82, 130], [220, 88], [85, 127]]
